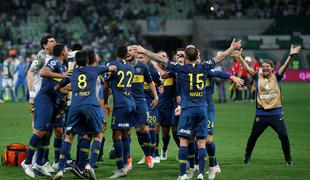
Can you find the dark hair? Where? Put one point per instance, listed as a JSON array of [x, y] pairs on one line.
[[44, 40], [81, 58], [76, 47], [121, 50], [191, 54], [268, 61], [58, 49], [180, 49], [91, 56]]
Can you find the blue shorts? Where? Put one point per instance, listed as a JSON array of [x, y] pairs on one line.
[[83, 120], [101, 114], [193, 122], [43, 115], [153, 117], [165, 116], [211, 119], [122, 117], [141, 114]]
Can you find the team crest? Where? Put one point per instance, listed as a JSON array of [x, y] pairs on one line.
[[138, 70]]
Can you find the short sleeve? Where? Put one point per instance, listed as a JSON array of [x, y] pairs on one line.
[[36, 64], [101, 69], [52, 65], [173, 66], [209, 64], [255, 76], [147, 74]]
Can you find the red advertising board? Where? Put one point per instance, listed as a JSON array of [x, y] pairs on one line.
[[300, 75]]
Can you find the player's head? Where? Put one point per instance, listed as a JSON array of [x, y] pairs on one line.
[[180, 55], [60, 51], [163, 54], [81, 58], [267, 67], [92, 58], [142, 58], [191, 54], [47, 43], [76, 47], [121, 51], [130, 53]]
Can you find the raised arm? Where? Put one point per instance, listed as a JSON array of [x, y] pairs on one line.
[[151, 55], [237, 54], [293, 51], [233, 46]]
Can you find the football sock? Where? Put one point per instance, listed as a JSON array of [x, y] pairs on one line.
[[141, 141], [183, 153], [201, 158], [57, 146], [126, 149], [95, 149], [64, 151], [191, 154], [43, 151], [147, 141], [83, 152], [153, 142], [33, 145], [156, 145], [101, 148], [118, 147], [211, 154], [166, 140]]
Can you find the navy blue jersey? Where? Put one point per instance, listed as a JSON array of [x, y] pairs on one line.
[[141, 75], [210, 86], [192, 79], [166, 99], [83, 82], [47, 92], [121, 84], [156, 78]]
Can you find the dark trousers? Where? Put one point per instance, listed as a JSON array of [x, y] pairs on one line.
[[277, 123]]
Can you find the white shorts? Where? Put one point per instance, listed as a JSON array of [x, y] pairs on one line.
[[7, 83]]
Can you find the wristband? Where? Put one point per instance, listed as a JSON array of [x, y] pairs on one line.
[[31, 94]]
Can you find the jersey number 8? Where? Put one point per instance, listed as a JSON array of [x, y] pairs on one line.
[[82, 81]]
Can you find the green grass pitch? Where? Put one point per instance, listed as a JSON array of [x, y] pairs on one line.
[[233, 126]]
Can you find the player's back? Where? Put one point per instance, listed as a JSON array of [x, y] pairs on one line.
[[121, 84], [83, 83]]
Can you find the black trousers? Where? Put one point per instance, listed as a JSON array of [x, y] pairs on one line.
[[277, 124]]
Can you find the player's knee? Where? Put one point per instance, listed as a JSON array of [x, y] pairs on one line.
[[40, 133], [69, 138], [58, 132], [145, 129], [184, 141], [209, 139], [201, 142]]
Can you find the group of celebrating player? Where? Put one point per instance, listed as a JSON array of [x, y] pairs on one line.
[[148, 91]]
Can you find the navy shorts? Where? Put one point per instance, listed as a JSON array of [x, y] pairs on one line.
[[153, 117], [83, 120], [165, 116], [193, 122], [211, 120], [122, 117], [141, 114], [43, 115]]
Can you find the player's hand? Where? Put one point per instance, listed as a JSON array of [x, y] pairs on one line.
[[101, 102], [237, 53], [56, 88], [107, 110], [140, 49], [31, 104], [154, 102], [68, 73], [294, 50], [178, 99], [161, 89], [112, 68], [239, 82], [177, 111], [235, 44]]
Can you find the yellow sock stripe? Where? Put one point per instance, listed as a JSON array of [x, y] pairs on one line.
[[61, 156], [146, 144], [119, 159], [182, 161], [153, 145], [85, 150], [191, 156], [56, 149], [44, 147], [96, 151], [32, 148], [211, 157]]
